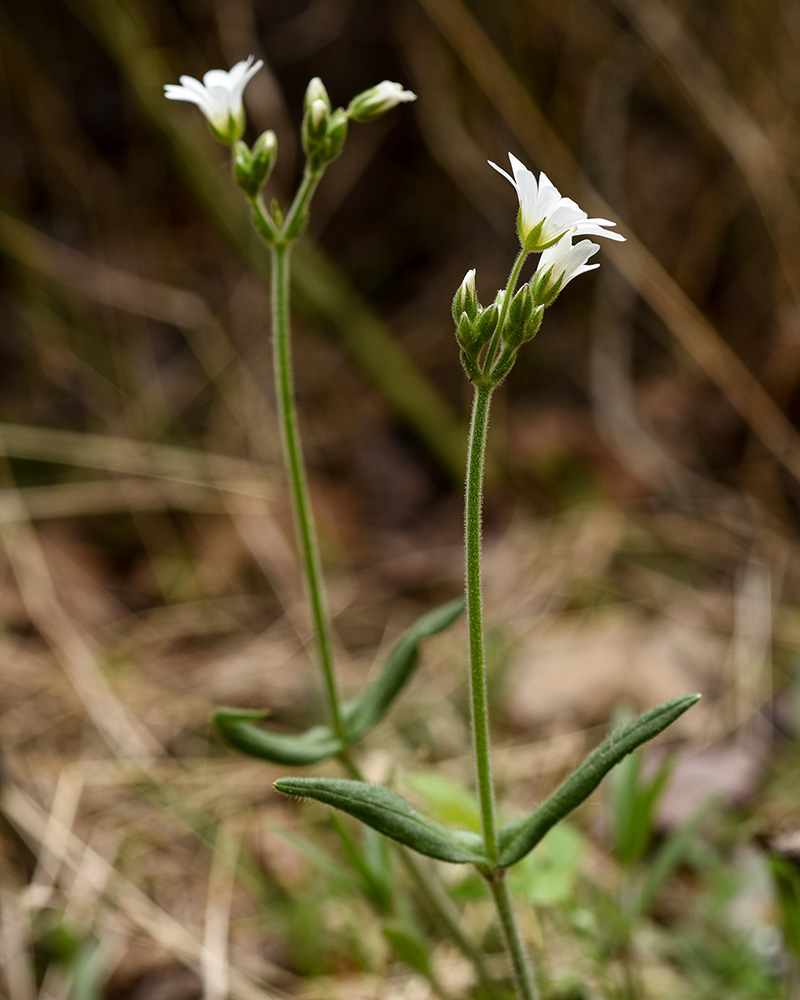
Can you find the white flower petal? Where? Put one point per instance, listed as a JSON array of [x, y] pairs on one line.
[[219, 96], [545, 215]]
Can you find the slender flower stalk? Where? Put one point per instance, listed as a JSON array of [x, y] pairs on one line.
[[476, 454], [290, 434]]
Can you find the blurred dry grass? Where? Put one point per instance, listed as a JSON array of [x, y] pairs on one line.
[[644, 524]]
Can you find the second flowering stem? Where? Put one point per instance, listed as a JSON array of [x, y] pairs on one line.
[[290, 434]]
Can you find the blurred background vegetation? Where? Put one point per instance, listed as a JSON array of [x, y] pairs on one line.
[[642, 523]]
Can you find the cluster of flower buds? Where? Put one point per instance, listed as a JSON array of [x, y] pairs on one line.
[[502, 331], [324, 130]]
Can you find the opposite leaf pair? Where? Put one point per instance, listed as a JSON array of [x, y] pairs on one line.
[[389, 813]]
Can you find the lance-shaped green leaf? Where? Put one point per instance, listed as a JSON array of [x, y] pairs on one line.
[[389, 813], [237, 728], [368, 710], [521, 836]]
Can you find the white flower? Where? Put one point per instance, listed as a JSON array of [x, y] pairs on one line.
[[544, 216], [378, 100], [558, 265], [219, 96]]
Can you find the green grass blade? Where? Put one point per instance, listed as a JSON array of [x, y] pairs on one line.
[[521, 836]]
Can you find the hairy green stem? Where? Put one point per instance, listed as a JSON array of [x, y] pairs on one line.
[[523, 974], [480, 710], [295, 215], [290, 435], [477, 656]]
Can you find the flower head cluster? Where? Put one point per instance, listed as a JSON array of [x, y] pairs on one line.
[[547, 224], [219, 97], [544, 215]]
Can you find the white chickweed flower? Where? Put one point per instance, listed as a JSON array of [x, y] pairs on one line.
[[544, 216], [558, 265], [378, 100], [219, 97]]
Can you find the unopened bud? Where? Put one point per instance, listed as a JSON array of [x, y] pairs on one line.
[[242, 164], [376, 101], [265, 152], [465, 333], [466, 298], [315, 91], [252, 167], [486, 323], [533, 324], [317, 117], [520, 311]]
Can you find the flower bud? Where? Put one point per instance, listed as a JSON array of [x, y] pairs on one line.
[[315, 91], [252, 167], [337, 133], [466, 298], [533, 324], [376, 101], [242, 164], [324, 132], [520, 311], [265, 152], [486, 323], [465, 334]]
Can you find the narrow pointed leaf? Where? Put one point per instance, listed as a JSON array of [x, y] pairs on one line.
[[237, 728], [389, 813], [368, 710], [521, 836]]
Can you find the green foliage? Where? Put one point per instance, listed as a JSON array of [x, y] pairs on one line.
[[633, 802], [446, 801], [787, 888], [547, 875]]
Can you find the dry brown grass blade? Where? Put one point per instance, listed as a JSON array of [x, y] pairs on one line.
[[749, 145], [31, 822], [130, 494], [126, 455], [123, 733], [111, 286], [684, 320]]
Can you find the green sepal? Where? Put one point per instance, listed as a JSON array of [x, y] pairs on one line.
[[389, 813], [516, 839], [236, 728], [365, 713]]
